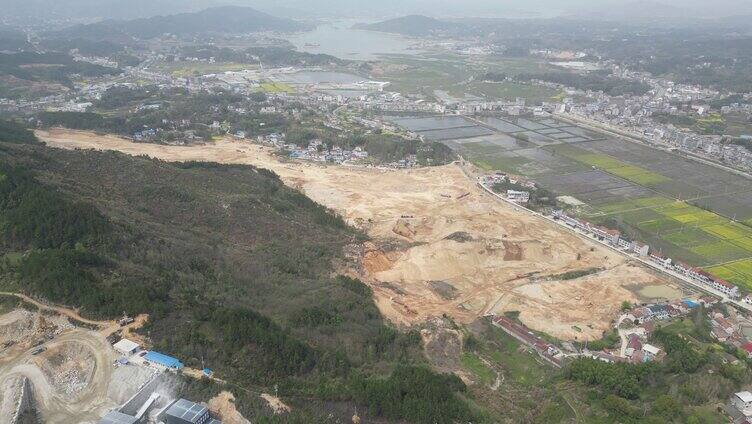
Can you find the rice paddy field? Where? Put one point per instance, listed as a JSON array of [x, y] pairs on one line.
[[277, 87], [692, 212], [189, 69]]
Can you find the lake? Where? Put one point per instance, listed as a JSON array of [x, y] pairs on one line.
[[340, 40]]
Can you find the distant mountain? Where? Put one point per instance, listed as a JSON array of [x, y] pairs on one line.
[[100, 9], [226, 19], [12, 40], [639, 10], [412, 25]]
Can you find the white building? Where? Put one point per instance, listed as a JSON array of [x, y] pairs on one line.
[[126, 347], [518, 196], [743, 402]]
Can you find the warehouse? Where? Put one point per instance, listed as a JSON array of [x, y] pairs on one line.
[[163, 360], [126, 347], [184, 411], [115, 417]]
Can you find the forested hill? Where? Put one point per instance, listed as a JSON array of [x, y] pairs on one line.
[[235, 269], [225, 19], [412, 25]]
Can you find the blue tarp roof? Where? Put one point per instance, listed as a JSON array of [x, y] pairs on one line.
[[691, 303], [164, 360]]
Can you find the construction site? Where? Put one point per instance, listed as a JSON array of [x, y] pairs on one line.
[[438, 243], [53, 370]]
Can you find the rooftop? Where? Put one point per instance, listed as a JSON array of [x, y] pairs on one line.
[[115, 417], [744, 396], [187, 410], [162, 359], [125, 345]]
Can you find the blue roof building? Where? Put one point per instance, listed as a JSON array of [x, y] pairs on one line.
[[164, 360], [691, 304]]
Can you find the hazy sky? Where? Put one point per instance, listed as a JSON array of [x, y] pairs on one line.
[[698, 8], [382, 8]]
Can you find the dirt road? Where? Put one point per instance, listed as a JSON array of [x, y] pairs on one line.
[[440, 244], [55, 406], [107, 327]]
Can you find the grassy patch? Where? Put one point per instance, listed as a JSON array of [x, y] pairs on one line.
[[474, 364], [521, 367], [689, 238], [659, 226], [745, 243], [188, 69], [512, 90], [739, 272], [507, 164], [277, 87], [626, 205], [479, 148], [616, 167], [728, 231], [573, 275], [720, 252], [8, 303]]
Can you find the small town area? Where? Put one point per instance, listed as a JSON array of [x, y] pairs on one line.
[[289, 211]]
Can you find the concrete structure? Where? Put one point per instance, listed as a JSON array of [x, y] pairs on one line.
[[651, 349], [518, 196], [115, 417], [183, 411], [743, 402], [126, 347]]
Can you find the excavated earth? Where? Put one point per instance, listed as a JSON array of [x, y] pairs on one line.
[[440, 244]]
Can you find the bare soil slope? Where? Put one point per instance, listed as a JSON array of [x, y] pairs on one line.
[[441, 245]]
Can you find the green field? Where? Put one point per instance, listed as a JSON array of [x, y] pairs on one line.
[[511, 91], [277, 87], [506, 164], [616, 167], [739, 272], [682, 231], [472, 363], [188, 69]]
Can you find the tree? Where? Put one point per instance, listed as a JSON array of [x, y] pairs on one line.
[[666, 407], [619, 407]]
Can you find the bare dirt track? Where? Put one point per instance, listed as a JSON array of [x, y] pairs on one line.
[[69, 380], [440, 244]]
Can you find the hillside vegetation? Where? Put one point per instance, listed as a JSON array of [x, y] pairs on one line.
[[235, 269], [228, 19], [412, 25]]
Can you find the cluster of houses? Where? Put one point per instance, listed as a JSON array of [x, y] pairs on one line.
[[727, 330], [634, 348], [637, 351], [615, 239], [664, 311], [612, 237], [521, 197], [317, 151]]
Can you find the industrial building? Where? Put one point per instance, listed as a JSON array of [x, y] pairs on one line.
[[115, 417], [126, 347], [164, 360], [183, 411]]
